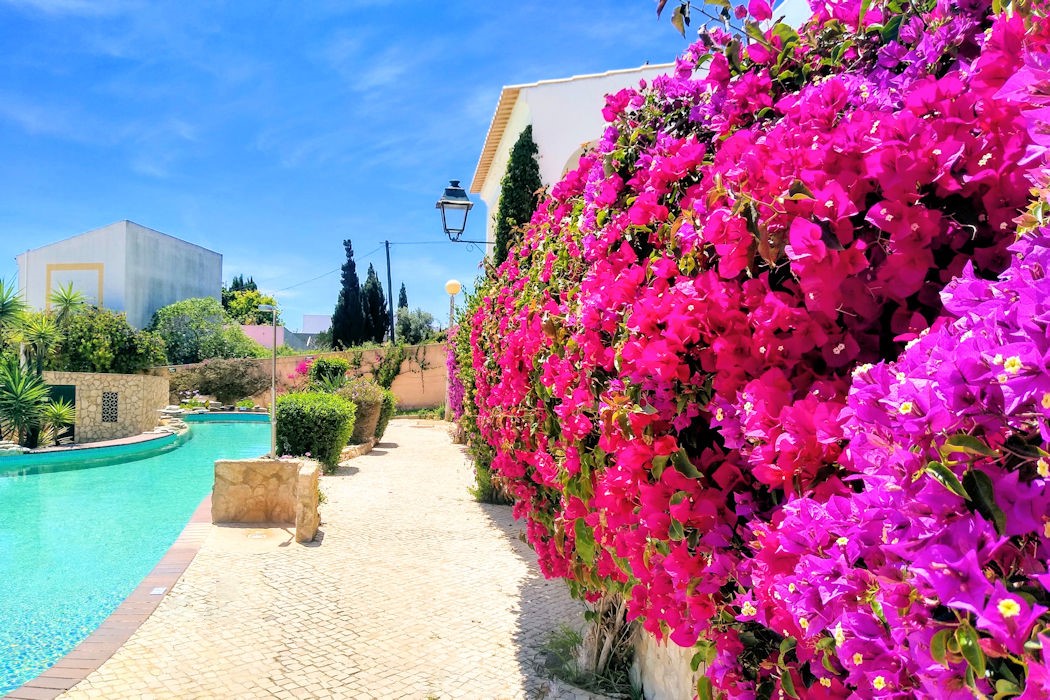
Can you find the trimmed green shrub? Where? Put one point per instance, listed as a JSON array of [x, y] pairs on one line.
[[314, 424], [368, 397], [324, 370], [387, 412]]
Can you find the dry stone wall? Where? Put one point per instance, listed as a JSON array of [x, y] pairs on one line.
[[112, 406]]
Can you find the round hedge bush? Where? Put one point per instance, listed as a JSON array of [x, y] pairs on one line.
[[315, 424], [368, 397], [387, 412]]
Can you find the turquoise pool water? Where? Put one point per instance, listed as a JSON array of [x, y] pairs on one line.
[[76, 538]]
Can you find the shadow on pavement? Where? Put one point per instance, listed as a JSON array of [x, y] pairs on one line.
[[544, 606]]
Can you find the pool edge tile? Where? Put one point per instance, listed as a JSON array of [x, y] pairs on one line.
[[88, 656]]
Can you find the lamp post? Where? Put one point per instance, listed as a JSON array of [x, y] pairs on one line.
[[455, 205], [273, 381], [453, 288]]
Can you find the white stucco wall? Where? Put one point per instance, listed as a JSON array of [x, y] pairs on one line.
[[565, 114], [139, 270], [162, 269], [85, 260]]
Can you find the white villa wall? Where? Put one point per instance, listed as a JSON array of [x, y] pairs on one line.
[[90, 261], [565, 115], [162, 269], [123, 267]]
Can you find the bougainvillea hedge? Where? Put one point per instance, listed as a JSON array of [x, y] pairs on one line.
[[690, 370]]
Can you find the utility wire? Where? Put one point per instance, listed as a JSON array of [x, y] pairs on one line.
[[363, 257]]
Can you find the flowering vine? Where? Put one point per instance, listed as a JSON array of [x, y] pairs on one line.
[[666, 367]]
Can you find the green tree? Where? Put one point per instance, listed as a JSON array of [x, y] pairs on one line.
[[373, 305], [199, 329], [402, 298], [519, 191], [243, 307], [100, 340], [414, 327], [348, 318], [237, 285]]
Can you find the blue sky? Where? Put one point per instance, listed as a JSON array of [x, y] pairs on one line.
[[271, 131]]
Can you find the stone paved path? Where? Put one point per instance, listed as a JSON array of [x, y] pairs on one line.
[[415, 591]]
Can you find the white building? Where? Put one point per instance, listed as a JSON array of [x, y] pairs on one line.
[[566, 116], [123, 267]]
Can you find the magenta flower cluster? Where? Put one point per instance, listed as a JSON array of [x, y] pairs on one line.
[[688, 369], [456, 390]]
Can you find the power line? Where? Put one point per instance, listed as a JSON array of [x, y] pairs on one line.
[[363, 257], [325, 274]]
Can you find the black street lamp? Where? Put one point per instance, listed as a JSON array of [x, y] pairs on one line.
[[454, 206]]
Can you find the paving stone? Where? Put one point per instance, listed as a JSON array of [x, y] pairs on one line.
[[414, 591]]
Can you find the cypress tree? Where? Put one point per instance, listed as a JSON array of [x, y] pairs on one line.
[[518, 193], [348, 318], [373, 303], [402, 298]]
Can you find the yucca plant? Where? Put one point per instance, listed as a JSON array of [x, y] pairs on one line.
[[66, 302], [11, 309], [23, 399], [41, 335], [55, 416]]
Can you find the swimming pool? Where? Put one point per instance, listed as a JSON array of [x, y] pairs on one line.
[[76, 540]]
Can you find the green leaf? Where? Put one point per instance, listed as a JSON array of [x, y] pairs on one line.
[[786, 33], [864, 5], [787, 685], [939, 647], [967, 444], [684, 465], [659, 464], [970, 648], [704, 689], [585, 546], [947, 478], [676, 531], [892, 29], [1005, 689], [978, 484], [786, 646], [799, 190], [696, 661], [679, 19], [755, 31]]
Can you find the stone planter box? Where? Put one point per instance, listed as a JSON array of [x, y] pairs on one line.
[[266, 491]]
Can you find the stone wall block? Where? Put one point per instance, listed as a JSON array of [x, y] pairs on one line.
[[255, 491], [138, 398], [307, 516]]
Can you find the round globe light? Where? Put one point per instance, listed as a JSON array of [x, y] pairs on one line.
[[453, 287]]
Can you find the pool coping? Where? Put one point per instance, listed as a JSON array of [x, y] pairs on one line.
[[115, 630]]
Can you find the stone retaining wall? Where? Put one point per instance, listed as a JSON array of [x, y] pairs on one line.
[[267, 491], [112, 406]]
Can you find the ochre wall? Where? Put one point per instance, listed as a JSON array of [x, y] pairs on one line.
[[138, 398]]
